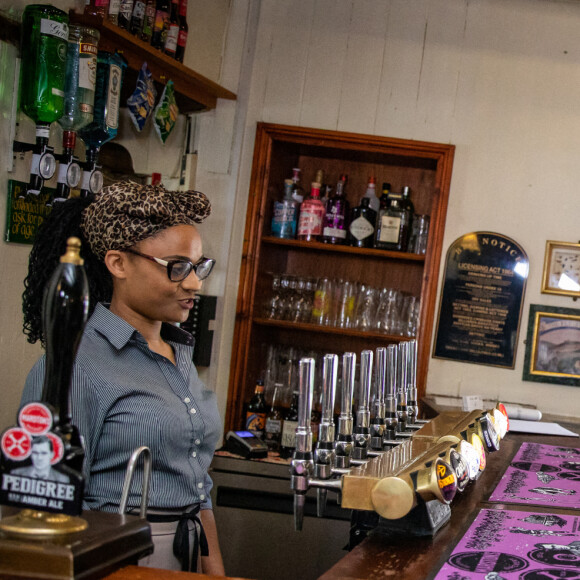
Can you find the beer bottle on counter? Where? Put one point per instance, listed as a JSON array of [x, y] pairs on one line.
[[256, 413], [274, 421], [288, 442]]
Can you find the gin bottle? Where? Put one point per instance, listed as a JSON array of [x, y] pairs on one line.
[[362, 226], [311, 213], [334, 227], [285, 218]]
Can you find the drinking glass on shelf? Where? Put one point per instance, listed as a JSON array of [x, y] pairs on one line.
[[271, 304], [419, 234], [284, 297], [366, 308], [347, 294], [323, 296], [386, 310], [306, 309], [411, 316]]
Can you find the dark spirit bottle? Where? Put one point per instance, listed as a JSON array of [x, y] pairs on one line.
[[334, 227], [98, 8], [183, 30], [256, 413], [288, 442], [125, 13], [138, 17], [362, 226], [396, 222], [274, 422], [148, 21], [161, 24]]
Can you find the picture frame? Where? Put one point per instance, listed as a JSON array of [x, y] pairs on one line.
[[553, 346], [561, 269]]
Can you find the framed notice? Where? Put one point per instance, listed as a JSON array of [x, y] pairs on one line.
[[561, 269], [553, 346], [481, 302]]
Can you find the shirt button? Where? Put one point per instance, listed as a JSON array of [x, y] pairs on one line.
[[187, 400], [193, 411], [200, 485], [197, 441], [194, 454], [201, 496]]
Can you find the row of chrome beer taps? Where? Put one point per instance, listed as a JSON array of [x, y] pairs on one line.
[[387, 457]]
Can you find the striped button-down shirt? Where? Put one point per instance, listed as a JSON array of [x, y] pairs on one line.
[[123, 396]]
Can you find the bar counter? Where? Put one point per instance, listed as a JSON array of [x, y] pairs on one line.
[[419, 558]]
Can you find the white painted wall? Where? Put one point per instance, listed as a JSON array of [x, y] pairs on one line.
[[500, 79]]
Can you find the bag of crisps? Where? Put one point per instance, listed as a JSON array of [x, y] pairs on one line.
[[141, 102], [166, 112]]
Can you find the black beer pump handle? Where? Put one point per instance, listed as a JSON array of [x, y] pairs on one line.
[[65, 310]]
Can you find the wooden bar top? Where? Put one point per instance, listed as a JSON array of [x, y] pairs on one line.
[[142, 573], [418, 558]]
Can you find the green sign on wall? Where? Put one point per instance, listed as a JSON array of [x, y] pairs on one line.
[[25, 213]]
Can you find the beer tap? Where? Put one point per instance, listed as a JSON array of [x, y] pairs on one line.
[[377, 428], [409, 362], [344, 442], [390, 397], [324, 454], [302, 464], [401, 387], [362, 431]]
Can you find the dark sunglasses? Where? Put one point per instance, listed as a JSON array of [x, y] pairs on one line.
[[178, 270]]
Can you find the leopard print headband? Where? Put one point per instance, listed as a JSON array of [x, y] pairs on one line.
[[125, 213]]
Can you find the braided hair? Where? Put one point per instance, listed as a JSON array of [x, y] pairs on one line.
[[49, 245]]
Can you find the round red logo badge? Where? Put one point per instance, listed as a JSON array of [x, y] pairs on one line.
[[16, 444], [57, 447], [36, 418]]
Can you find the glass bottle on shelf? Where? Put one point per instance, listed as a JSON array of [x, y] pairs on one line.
[[297, 191], [334, 226], [288, 440], [396, 222], [125, 13], [138, 17], [285, 218], [371, 193], [362, 226], [274, 422], [113, 14], [105, 124], [183, 31], [148, 21], [42, 82], [160, 25], [79, 99], [172, 30], [99, 8], [256, 412], [384, 203], [311, 212], [323, 187]]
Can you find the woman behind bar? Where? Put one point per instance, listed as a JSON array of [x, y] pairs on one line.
[[134, 382]]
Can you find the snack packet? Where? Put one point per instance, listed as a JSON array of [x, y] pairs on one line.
[[166, 112], [141, 102]]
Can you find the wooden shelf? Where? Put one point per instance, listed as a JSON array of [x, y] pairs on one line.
[[308, 327], [322, 247], [194, 92]]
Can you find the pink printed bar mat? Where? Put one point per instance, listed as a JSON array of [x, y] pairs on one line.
[[539, 474], [516, 545]]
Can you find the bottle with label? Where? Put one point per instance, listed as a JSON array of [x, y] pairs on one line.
[[396, 222], [371, 193], [42, 81], [274, 422], [362, 226], [138, 17], [323, 187], [98, 8], [79, 99], [288, 441], [285, 217], [125, 13], [334, 227], [384, 202], [148, 21], [173, 29], [256, 413], [113, 15], [105, 124], [183, 30], [312, 211], [297, 191], [161, 24]]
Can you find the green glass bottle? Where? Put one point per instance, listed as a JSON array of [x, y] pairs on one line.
[[42, 79]]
